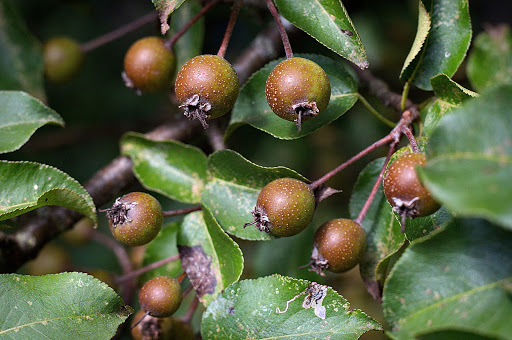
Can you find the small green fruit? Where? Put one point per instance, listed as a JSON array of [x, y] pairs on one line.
[[149, 65], [284, 207], [63, 58], [161, 296], [135, 219], [297, 89], [206, 87]]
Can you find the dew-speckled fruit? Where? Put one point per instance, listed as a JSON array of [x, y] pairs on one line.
[[149, 65], [340, 244], [403, 188], [206, 87], [284, 207], [161, 296], [297, 89], [135, 218], [151, 328], [63, 58]]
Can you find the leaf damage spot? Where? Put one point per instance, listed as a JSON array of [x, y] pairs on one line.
[[314, 299], [197, 265], [164, 9]]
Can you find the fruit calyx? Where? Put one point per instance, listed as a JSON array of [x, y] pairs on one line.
[[118, 214], [196, 107], [261, 220], [305, 111], [317, 262]]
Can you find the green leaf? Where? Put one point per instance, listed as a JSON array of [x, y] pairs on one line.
[[171, 168], [61, 306], [164, 9], [470, 158], [447, 42], [252, 107], [248, 310], [432, 113], [382, 228], [328, 22], [490, 60], [449, 91], [453, 281], [20, 116], [21, 61], [163, 246], [232, 193], [27, 186], [211, 259]]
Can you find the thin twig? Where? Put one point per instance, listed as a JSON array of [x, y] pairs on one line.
[[229, 29], [118, 33], [140, 271], [190, 312], [284, 36], [182, 277], [183, 211], [407, 131]]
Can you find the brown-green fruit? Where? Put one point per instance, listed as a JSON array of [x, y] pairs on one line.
[[63, 58], [52, 259], [403, 188], [79, 233], [338, 246], [284, 207], [297, 89], [161, 296], [135, 218], [206, 87], [149, 65], [151, 328]]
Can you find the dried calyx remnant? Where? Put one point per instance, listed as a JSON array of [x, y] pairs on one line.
[[261, 220], [118, 214], [305, 111], [317, 262], [314, 299], [195, 108]]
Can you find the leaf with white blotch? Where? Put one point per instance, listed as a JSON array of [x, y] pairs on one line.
[[252, 107], [249, 310], [164, 9], [21, 56], [469, 168], [27, 186], [328, 22], [453, 281], [20, 116], [490, 60], [171, 168], [211, 259], [163, 246], [232, 193], [446, 45], [61, 306]]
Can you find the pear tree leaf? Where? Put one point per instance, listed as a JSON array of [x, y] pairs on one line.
[[164, 9], [449, 91]]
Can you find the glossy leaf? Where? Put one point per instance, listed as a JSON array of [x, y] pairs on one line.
[[27, 186], [470, 158], [382, 228], [453, 281], [232, 194], [164, 9], [21, 61], [61, 306], [20, 116], [248, 310], [252, 107], [211, 259], [171, 168], [490, 60], [163, 246], [432, 114], [328, 22], [447, 43], [449, 91]]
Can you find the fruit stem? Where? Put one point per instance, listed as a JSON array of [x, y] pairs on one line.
[[140, 320], [182, 277], [375, 188], [407, 131], [147, 268], [190, 312], [229, 30], [172, 40], [375, 112], [119, 32], [284, 36], [184, 211]]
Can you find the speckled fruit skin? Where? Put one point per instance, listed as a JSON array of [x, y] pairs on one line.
[[150, 65], [151, 327], [213, 79], [401, 182], [63, 59], [161, 296], [294, 81], [143, 220], [342, 242], [289, 205]]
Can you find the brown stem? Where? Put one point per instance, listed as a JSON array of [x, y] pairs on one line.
[[284, 36], [183, 211], [137, 272], [229, 30], [118, 33], [170, 43], [190, 312], [407, 131], [182, 277]]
